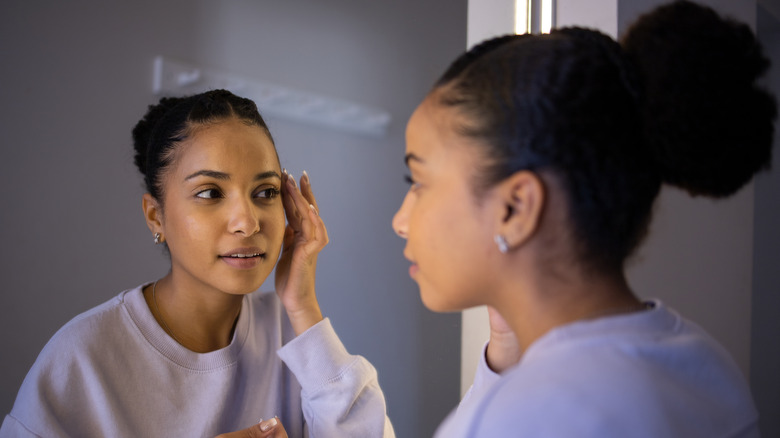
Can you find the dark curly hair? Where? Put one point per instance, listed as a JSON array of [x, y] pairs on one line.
[[174, 119], [675, 102]]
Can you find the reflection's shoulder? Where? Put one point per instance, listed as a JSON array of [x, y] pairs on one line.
[[88, 327]]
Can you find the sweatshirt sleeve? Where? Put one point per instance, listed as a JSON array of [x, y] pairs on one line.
[[12, 428], [340, 392]]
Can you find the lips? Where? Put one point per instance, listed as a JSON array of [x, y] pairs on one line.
[[243, 258], [413, 269]]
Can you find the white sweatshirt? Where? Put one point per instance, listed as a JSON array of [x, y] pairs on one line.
[[646, 374], [113, 371]]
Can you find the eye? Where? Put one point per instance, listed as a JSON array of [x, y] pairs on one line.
[[269, 193], [413, 185], [209, 194]]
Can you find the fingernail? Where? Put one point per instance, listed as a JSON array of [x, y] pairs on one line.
[[306, 175], [268, 424], [312, 208], [292, 180]]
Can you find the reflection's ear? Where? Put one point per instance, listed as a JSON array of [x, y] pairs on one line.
[[152, 213], [523, 198]]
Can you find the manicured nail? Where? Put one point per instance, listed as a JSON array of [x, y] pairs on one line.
[[268, 424], [306, 175], [312, 208]]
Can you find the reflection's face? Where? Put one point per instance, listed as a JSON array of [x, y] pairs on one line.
[[447, 232], [223, 218]]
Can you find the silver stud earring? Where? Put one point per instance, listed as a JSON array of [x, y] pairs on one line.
[[156, 238], [503, 245]]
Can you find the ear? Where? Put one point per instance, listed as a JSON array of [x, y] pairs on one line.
[[152, 213], [523, 198]]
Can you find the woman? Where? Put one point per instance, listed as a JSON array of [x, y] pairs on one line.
[[195, 352], [535, 162]]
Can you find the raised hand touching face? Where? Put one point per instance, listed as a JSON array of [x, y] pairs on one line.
[[304, 238]]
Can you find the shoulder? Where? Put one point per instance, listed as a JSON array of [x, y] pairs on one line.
[[89, 326], [67, 366], [668, 381]]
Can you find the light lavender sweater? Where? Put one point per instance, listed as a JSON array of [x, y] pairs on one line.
[[642, 375], [113, 371]]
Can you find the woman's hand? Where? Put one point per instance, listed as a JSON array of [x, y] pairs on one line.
[[272, 428], [304, 238], [503, 350]]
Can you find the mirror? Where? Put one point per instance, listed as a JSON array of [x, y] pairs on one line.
[[78, 76]]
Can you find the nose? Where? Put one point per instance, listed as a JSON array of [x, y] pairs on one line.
[[244, 218], [401, 218]]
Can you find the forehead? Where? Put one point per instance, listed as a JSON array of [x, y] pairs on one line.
[[433, 130], [229, 145], [426, 126]]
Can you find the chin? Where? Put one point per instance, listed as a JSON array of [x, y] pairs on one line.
[[244, 286], [435, 301]]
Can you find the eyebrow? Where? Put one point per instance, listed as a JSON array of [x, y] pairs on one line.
[[411, 157], [225, 176]]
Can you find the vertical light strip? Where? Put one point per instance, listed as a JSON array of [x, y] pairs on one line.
[[547, 16], [522, 16]]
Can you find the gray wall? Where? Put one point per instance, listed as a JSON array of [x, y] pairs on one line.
[[75, 77], [765, 347]]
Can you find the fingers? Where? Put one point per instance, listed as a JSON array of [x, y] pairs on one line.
[[314, 209], [307, 192], [272, 428], [288, 200], [301, 209]]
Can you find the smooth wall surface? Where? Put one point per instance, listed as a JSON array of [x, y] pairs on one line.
[[76, 76], [765, 347]]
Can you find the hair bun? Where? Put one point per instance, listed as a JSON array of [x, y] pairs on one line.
[[709, 124], [144, 129]]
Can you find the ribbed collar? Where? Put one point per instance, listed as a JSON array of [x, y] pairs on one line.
[[135, 304]]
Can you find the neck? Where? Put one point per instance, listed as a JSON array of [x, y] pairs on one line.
[[546, 302], [200, 320]]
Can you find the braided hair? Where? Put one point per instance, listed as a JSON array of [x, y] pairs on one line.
[[174, 119]]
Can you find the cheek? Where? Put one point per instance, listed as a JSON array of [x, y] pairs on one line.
[[194, 232], [197, 227], [274, 225], [192, 226], [435, 220]]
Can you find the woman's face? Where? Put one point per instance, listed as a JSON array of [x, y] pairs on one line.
[[447, 231], [222, 216]]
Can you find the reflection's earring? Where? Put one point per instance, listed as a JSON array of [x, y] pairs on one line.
[[503, 245], [156, 238]]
